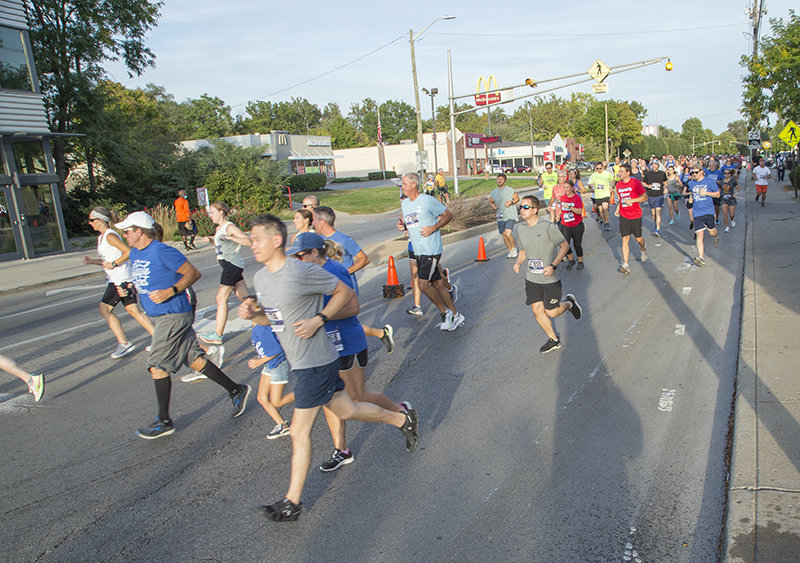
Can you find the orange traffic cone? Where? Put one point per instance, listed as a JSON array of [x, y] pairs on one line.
[[481, 252], [584, 212], [612, 197], [393, 287]]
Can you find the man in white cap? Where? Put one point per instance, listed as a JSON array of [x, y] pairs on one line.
[[161, 275]]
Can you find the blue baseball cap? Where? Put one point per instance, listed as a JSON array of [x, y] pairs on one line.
[[306, 241]]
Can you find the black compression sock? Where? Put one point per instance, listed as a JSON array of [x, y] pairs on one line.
[[163, 389], [217, 376]]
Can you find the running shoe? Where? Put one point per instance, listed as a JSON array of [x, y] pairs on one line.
[[148, 348], [727, 230], [447, 320], [338, 459], [733, 223], [570, 264], [239, 400], [36, 386], [716, 240], [446, 272], [514, 253], [699, 261], [416, 311], [123, 350], [657, 232], [575, 309], [644, 256], [387, 339], [281, 511], [672, 221], [159, 428], [678, 216], [579, 266], [757, 196], [458, 320], [691, 225], [410, 430], [216, 354], [510, 254], [210, 338], [762, 204], [193, 376], [281, 429], [624, 268], [453, 293], [550, 345]]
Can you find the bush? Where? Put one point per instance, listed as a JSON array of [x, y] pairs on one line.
[[379, 175], [343, 180], [794, 176], [307, 182], [469, 212]]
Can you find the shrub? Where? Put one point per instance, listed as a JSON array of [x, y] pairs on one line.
[[164, 215], [343, 180], [379, 175], [307, 182], [469, 213]]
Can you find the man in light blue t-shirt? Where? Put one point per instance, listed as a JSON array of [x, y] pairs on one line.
[[423, 216], [504, 200]]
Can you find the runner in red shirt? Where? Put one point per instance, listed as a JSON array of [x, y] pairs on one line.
[[630, 193], [570, 216]]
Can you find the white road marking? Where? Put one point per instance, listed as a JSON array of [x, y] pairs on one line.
[[686, 291], [666, 400], [52, 334], [680, 330], [93, 296], [76, 288]]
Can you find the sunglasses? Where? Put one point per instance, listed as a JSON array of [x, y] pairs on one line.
[[695, 171], [526, 207]]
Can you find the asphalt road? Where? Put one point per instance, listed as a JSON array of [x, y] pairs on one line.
[[612, 447]]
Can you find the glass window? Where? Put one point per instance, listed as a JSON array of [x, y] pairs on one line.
[[29, 157], [14, 71], [43, 227], [7, 242]]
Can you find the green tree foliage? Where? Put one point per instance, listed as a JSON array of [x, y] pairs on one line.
[[624, 123], [774, 75], [71, 40], [298, 117], [398, 120], [204, 118]]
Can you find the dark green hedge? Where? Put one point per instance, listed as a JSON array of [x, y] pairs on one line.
[[307, 182], [379, 175]]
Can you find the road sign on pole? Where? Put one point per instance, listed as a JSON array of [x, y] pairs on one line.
[[599, 70], [790, 134], [601, 88]]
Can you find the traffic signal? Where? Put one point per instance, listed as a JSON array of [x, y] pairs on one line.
[[669, 64], [530, 82]]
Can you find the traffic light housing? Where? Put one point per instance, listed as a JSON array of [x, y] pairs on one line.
[[530, 82], [669, 65]]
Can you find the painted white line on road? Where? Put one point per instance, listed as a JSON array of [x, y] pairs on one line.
[[93, 296], [686, 291], [52, 334], [666, 400], [76, 288], [680, 330]]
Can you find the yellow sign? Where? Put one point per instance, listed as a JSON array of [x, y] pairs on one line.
[[791, 134], [601, 88], [598, 70], [488, 98]]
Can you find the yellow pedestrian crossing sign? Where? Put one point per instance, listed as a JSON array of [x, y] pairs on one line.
[[791, 134], [598, 70]]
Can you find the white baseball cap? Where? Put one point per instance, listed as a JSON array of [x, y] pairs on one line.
[[137, 219]]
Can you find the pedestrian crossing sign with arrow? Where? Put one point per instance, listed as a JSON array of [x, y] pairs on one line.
[[791, 134]]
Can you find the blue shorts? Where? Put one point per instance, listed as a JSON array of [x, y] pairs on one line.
[[704, 222], [277, 375], [656, 202], [507, 225], [315, 386]]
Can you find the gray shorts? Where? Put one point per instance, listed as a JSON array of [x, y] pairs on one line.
[[507, 225], [174, 343], [278, 375]]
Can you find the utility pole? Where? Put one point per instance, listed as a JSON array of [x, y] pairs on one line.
[[606, 140]]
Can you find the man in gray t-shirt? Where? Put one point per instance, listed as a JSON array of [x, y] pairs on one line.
[[503, 200], [291, 302], [541, 249]]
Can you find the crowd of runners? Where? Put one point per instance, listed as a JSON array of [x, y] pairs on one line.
[[304, 305]]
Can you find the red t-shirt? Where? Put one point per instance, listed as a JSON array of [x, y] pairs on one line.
[[571, 210], [633, 188]]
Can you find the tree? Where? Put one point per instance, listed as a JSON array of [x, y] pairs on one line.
[[204, 118], [298, 117], [774, 75], [624, 123], [71, 40]]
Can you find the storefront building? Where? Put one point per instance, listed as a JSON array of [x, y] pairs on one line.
[[31, 221]]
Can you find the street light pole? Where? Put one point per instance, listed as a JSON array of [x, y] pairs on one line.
[[432, 93], [412, 38]]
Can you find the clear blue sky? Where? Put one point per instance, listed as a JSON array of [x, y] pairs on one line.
[[243, 50]]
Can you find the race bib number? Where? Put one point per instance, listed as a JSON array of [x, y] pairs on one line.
[[412, 220], [499, 215], [656, 186], [218, 250], [336, 339], [568, 216], [275, 317], [535, 266]]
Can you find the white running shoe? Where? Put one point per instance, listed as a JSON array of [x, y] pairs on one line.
[[733, 223], [193, 376], [123, 350], [727, 230], [448, 321], [458, 320]]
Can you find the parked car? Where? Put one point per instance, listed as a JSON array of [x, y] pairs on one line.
[[583, 165], [493, 169], [518, 169]]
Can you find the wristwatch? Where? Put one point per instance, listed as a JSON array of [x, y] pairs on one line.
[[175, 290], [553, 266], [323, 317]]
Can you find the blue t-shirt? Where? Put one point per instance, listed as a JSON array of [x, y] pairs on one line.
[[347, 335], [703, 205], [266, 345], [423, 212], [156, 267], [351, 249], [716, 176]]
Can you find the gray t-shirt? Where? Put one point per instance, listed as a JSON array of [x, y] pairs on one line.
[[293, 293], [540, 244], [500, 197]]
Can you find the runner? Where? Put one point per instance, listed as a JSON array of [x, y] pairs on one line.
[[441, 187], [35, 382], [310, 202], [161, 274], [184, 218], [630, 193], [541, 248], [655, 180], [570, 219], [228, 239], [558, 190], [290, 294], [349, 339], [547, 180], [674, 188], [303, 222], [114, 260], [712, 172], [503, 200], [423, 216], [703, 189], [761, 174], [728, 198], [600, 184]]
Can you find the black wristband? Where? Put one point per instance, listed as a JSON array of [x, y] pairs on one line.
[[323, 317], [175, 290], [552, 266]]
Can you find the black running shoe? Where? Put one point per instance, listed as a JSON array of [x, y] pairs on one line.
[[338, 459], [159, 428], [410, 429], [550, 345], [240, 400], [282, 511], [575, 309]]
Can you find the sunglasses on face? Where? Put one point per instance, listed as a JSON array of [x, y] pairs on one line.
[[526, 207]]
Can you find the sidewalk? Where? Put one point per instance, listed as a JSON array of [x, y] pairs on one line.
[[763, 519]]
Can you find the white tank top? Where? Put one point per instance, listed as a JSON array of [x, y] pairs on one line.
[[227, 249], [108, 253]]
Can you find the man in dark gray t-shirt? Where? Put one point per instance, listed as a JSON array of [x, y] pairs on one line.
[[290, 296]]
